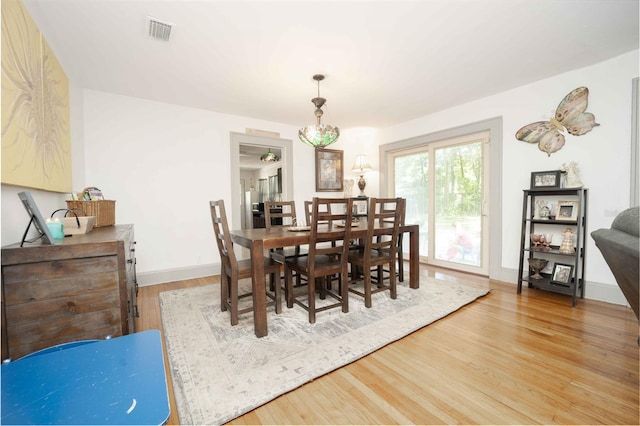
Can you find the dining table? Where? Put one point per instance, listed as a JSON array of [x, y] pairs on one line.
[[260, 239]]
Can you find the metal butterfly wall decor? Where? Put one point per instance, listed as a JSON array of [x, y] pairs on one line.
[[570, 115]]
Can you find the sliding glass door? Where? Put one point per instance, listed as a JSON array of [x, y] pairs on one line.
[[446, 187]]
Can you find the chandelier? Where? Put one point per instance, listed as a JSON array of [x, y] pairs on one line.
[[269, 157], [318, 135]]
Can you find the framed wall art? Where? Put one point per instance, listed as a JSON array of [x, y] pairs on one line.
[[562, 274], [36, 135], [567, 211], [545, 180], [329, 170]]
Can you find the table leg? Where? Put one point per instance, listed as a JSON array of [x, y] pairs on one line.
[[259, 290], [414, 257]]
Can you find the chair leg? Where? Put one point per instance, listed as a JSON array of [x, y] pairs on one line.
[[224, 291], [233, 300], [311, 287], [344, 291], [393, 292], [367, 287], [275, 283], [400, 266]]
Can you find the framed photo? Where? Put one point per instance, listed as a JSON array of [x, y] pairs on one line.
[[36, 219], [360, 206], [562, 274], [545, 180], [329, 170], [567, 211]]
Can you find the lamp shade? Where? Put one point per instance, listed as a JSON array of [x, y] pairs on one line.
[[319, 135], [361, 165]]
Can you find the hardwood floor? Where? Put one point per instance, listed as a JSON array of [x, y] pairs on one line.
[[504, 359]]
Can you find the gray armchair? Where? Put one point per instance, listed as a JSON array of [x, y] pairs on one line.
[[620, 247]]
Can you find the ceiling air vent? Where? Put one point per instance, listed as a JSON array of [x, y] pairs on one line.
[[158, 29]]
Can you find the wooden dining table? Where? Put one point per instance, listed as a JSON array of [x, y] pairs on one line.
[[261, 239]]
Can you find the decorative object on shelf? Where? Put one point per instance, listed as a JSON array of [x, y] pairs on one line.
[[348, 188], [567, 211], [535, 239], [329, 170], [562, 274], [544, 213], [566, 246], [572, 175], [548, 238], [319, 135], [570, 115], [536, 266], [269, 157], [361, 166], [545, 180]]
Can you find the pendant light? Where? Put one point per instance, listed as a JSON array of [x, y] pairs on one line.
[[269, 157], [319, 135]]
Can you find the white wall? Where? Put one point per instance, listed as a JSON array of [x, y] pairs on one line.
[[603, 154]]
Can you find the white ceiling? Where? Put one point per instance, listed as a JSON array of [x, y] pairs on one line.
[[385, 61]]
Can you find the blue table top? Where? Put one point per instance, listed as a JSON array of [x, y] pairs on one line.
[[115, 381]]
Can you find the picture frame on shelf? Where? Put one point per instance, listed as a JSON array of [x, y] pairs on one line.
[[562, 274], [360, 206], [545, 180], [329, 170], [567, 211]]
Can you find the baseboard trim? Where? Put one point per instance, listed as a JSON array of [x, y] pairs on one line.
[[178, 274], [609, 293]]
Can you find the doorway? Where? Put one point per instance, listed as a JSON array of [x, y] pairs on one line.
[[285, 146]]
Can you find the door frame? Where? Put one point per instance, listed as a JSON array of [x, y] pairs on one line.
[[237, 139], [494, 126]]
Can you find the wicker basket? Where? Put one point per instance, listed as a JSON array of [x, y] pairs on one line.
[[103, 210]]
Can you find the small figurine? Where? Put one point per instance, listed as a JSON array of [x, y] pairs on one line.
[[566, 246], [572, 172]]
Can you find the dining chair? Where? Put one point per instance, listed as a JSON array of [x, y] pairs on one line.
[[283, 213], [308, 210], [323, 260], [402, 206], [377, 250], [233, 270]]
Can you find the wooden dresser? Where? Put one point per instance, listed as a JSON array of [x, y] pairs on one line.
[[84, 288]]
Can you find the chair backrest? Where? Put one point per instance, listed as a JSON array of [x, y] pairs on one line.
[[402, 206], [384, 212], [223, 238], [283, 210], [330, 225], [308, 210]]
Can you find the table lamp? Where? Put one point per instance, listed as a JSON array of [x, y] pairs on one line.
[[361, 166]]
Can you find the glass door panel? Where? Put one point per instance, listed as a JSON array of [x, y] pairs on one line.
[[411, 177], [458, 204], [444, 185]]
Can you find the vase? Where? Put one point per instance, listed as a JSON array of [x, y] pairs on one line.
[[536, 266]]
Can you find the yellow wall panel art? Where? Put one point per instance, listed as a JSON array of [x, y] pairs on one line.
[[36, 141]]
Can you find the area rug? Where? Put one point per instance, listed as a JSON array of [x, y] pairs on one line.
[[220, 372]]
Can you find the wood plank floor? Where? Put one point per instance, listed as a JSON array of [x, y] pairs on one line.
[[504, 359]]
